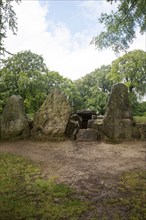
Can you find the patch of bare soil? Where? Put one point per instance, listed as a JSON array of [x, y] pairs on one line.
[[81, 164], [92, 168]]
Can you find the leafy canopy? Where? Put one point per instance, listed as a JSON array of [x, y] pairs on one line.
[[7, 20], [94, 89], [121, 26], [26, 74], [131, 70], [23, 74]]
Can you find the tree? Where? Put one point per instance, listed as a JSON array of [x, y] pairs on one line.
[[102, 74], [131, 70], [26, 74], [7, 20], [94, 89], [55, 81], [141, 109], [121, 26]]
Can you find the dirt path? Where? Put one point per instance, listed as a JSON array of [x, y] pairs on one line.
[[81, 165]]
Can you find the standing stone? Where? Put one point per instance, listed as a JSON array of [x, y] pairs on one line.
[[118, 122], [14, 122], [73, 126], [51, 119]]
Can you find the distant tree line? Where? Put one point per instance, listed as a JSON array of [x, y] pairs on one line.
[[26, 74]]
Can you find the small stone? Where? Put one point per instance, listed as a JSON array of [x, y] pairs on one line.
[[87, 135]]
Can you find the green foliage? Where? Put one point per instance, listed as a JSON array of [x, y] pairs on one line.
[[94, 89], [26, 74], [66, 86], [139, 109], [26, 195], [121, 25], [131, 70], [7, 20], [140, 119]]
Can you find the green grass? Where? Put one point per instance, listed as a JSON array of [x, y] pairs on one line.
[[140, 119], [129, 204], [26, 195]]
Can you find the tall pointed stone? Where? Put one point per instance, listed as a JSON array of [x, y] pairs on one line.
[[51, 119], [118, 122]]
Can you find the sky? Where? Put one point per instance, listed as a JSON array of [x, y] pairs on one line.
[[61, 31]]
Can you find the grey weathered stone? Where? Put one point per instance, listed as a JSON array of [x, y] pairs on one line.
[[87, 135], [51, 119], [14, 122], [92, 123], [73, 126], [118, 122], [95, 122]]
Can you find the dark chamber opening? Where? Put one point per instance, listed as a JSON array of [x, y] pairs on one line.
[[85, 115]]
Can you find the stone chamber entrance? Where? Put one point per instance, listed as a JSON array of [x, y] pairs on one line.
[[85, 115]]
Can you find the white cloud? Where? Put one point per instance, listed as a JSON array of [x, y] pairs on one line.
[[70, 55], [139, 42], [31, 26], [93, 9]]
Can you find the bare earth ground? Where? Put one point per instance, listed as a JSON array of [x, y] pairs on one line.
[[82, 165]]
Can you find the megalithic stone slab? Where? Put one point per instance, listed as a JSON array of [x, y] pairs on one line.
[[118, 122], [14, 122], [51, 119]]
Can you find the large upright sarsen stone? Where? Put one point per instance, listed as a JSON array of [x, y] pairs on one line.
[[118, 122], [51, 119], [14, 122]]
